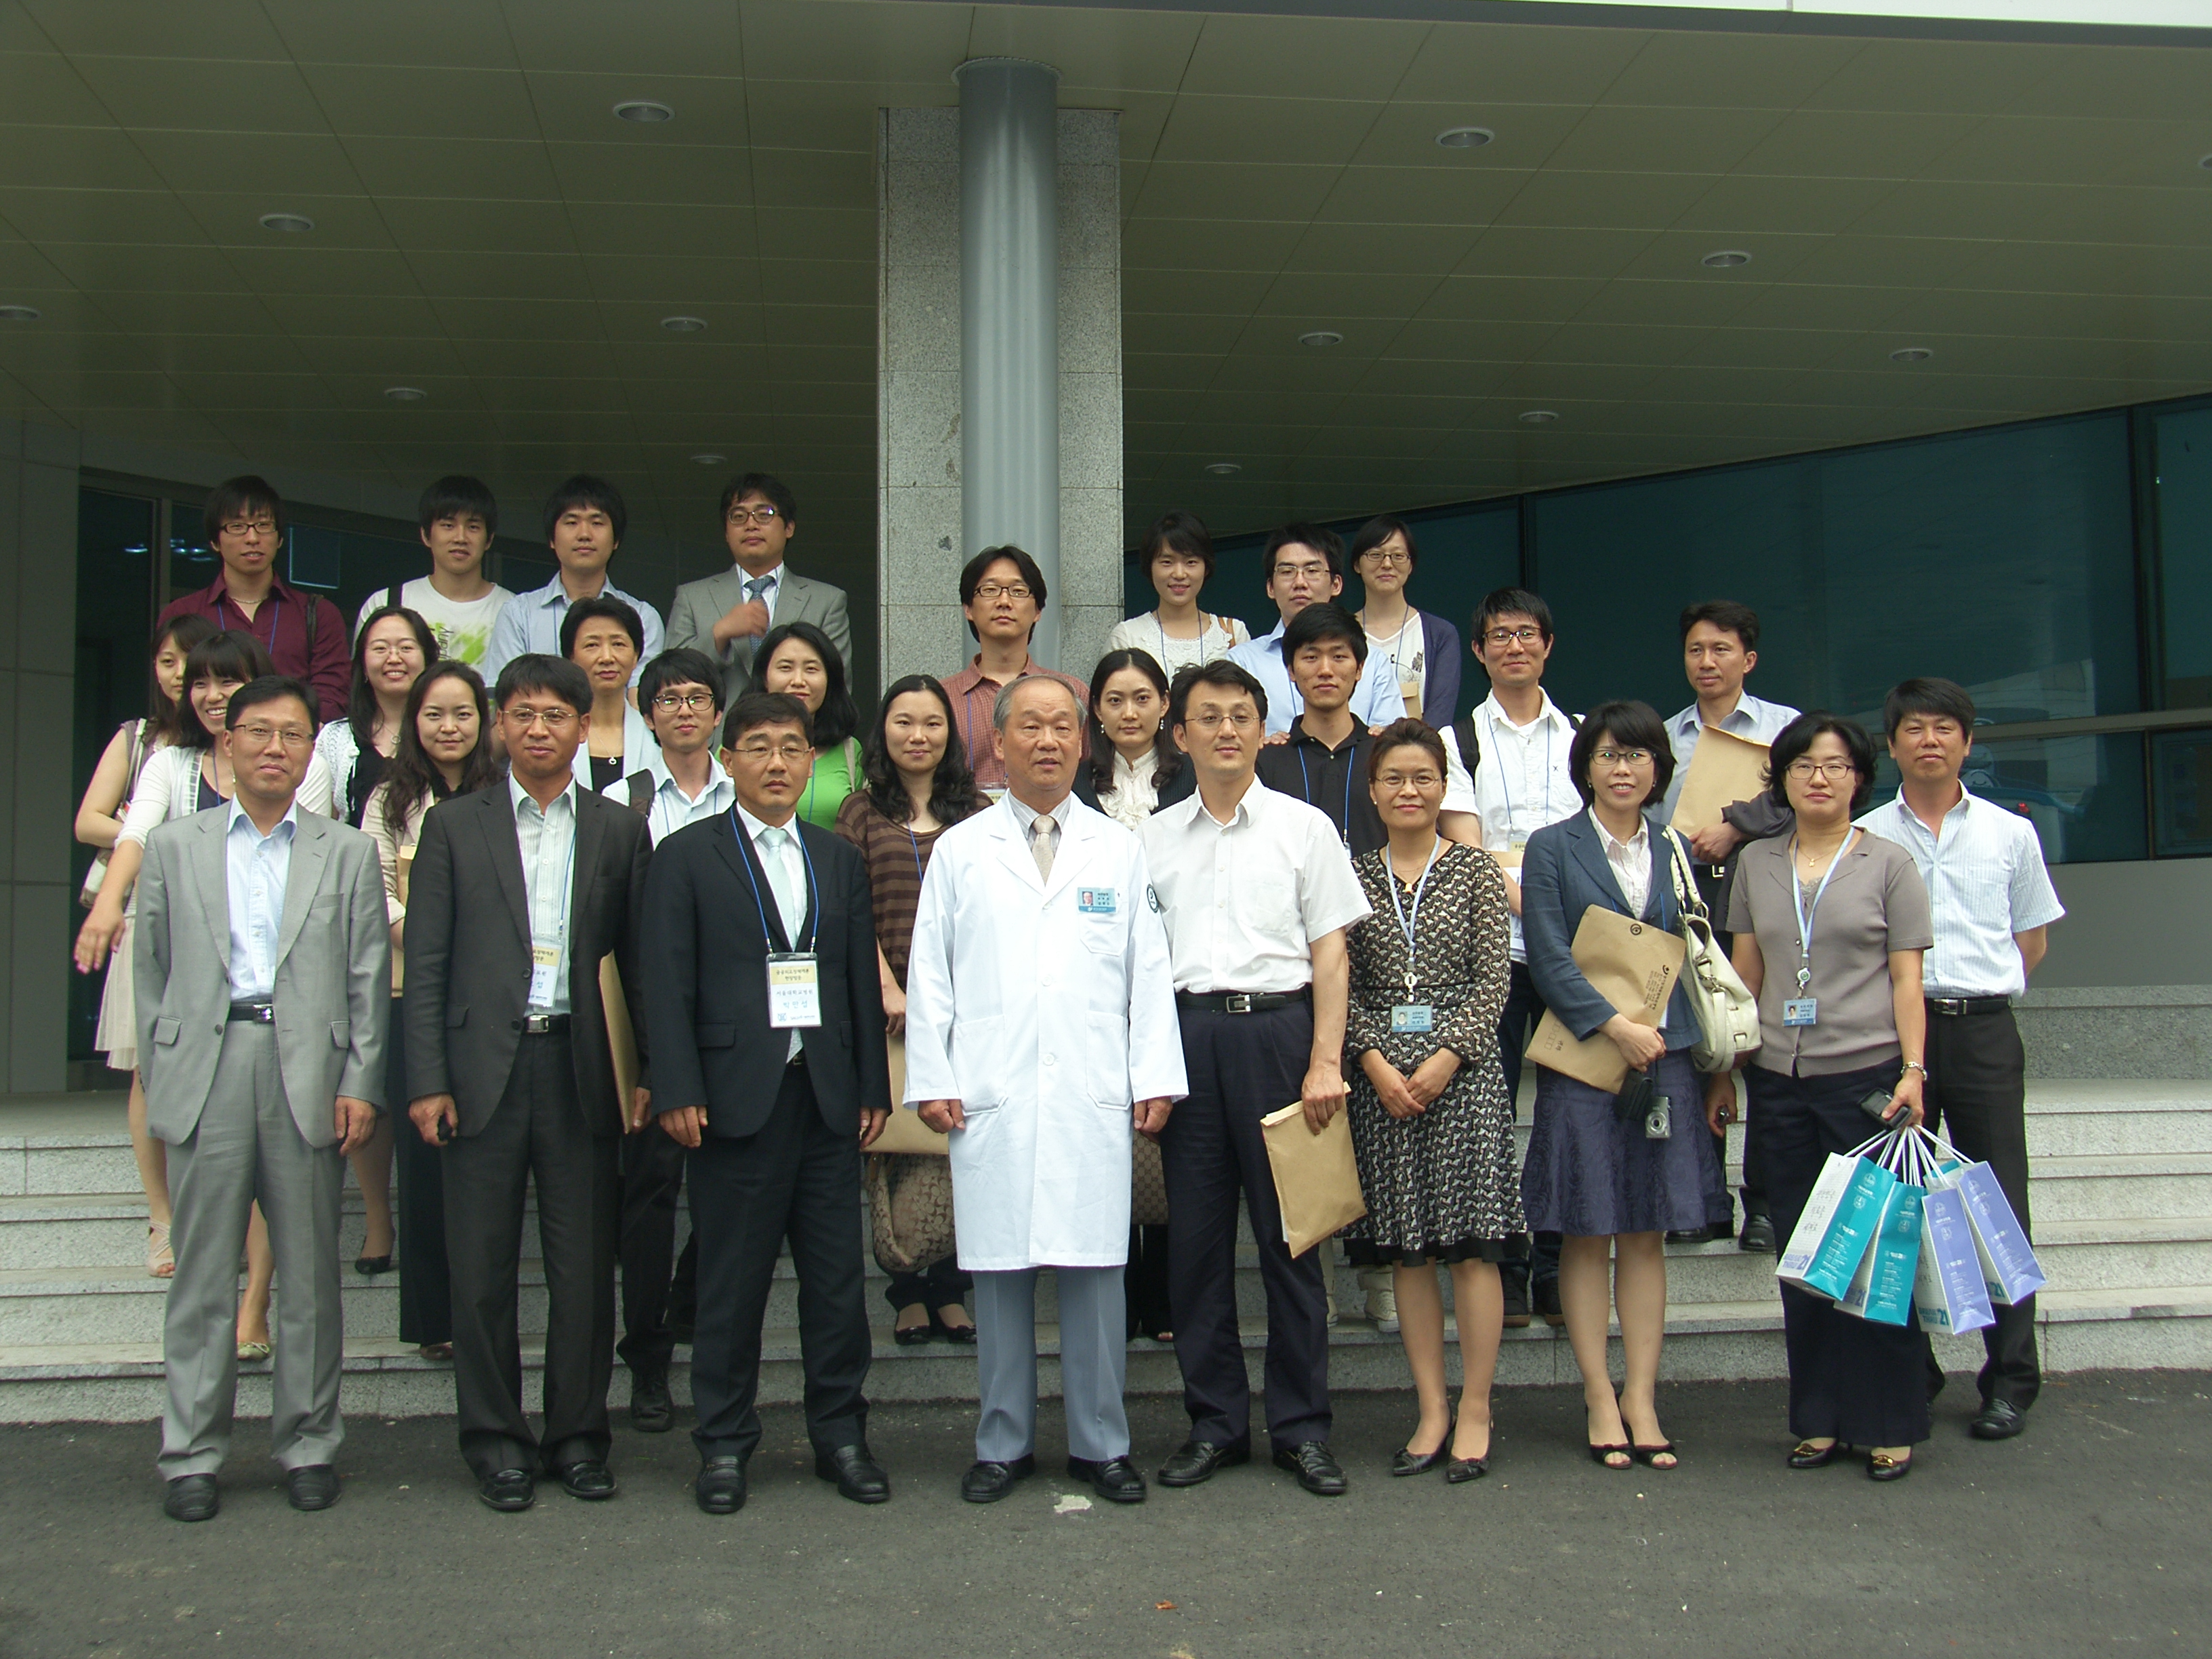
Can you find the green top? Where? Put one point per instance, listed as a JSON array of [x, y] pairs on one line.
[[837, 775]]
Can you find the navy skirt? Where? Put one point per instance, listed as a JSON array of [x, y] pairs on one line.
[[1591, 1176]]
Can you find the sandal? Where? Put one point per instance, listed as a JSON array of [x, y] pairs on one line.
[[1650, 1456], [160, 1260]]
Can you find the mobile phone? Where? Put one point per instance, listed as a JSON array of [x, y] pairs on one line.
[[1878, 1106], [445, 1131]]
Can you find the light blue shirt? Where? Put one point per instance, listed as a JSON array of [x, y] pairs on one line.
[[531, 621], [1375, 701], [1986, 882], [786, 877], [258, 866], [548, 839], [1751, 719], [671, 808]]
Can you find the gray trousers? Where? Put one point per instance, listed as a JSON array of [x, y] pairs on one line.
[[247, 1148], [1094, 1363]]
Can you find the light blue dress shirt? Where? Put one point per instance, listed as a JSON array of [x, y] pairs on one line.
[[1986, 882], [1752, 720], [531, 621], [1375, 701], [258, 866], [671, 808], [548, 839]]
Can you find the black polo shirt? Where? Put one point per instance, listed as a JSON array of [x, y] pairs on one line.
[[1334, 779]]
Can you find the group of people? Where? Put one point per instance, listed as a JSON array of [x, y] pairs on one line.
[[628, 912]]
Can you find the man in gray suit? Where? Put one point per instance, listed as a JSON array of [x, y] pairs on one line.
[[726, 616], [263, 974]]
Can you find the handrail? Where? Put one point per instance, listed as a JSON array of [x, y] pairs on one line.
[[2091, 725]]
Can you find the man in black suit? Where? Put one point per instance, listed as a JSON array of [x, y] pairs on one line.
[[767, 1018], [518, 891]]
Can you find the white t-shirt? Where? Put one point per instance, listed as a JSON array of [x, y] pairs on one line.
[[462, 629], [1221, 635]]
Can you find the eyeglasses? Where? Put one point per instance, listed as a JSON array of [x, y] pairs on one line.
[[1509, 636], [754, 515], [1400, 780], [555, 719], [256, 736], [1388, 560], [1804, 770], [759, 754], [264, 526], [1316, 571], [1015, 591], [1244, 720], [696, 701], [1623, 757]]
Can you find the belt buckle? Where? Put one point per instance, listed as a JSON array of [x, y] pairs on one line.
[[262, 1013], [1954, 1006], [1236, 1002], [536, 1024]]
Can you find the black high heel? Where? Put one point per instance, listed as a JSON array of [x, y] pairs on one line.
[[1462, 1469], [1407, 1461]]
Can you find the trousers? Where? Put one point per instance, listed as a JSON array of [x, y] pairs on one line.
[[1094, 1362]]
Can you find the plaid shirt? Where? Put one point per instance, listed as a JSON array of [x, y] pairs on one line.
[[972, 692]]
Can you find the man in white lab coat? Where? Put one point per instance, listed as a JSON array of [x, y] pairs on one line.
[[1041, 1023]]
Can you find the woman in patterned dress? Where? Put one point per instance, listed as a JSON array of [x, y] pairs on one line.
[[1431, 1125]]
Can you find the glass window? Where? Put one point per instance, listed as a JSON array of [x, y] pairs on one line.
[[2084, 794], [2181, 765], [2181, 481]]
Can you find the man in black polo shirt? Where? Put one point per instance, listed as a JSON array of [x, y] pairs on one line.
[[1323, 761]]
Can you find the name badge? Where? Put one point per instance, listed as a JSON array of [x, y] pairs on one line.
[[1413, 1017], [794, 990], [1801, 1011], [1094, 901], [544, 959], [1517, 840]]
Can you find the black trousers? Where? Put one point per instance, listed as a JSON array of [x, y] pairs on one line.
[[935, 1285], [426, 1294], [1849, 1377], [652, 1182], [1977, 1097], [1145, 1281], [536, 1137], [1524, 1007], [1240, 1067], [798, 1180]]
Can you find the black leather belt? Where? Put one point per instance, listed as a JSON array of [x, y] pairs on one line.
[[252, 1013], [1241, 1002], [543, 1024], [1955, 1007]]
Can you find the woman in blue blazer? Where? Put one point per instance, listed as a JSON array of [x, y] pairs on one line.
[[1609, 1174]]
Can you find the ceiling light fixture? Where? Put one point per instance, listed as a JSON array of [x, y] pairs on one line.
[[1910, 355], [1726, 259], [1224, 469], [709, 460], [645, 111], [405, 394], [1539, 417], [19, 314], [1465, 137], [1321, 336], [685, 324], [2205, 161], [294, 223]]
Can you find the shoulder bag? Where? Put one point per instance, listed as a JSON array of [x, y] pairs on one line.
[[1727, 1013]]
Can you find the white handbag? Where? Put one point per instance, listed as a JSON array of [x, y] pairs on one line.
[[1727, 1013]]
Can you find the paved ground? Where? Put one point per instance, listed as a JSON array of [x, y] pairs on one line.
[[2089, 1533]]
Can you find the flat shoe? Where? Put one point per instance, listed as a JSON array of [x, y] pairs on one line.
[[2000, 1420], [1462, 1469], [508, 1491], [436, 1351], [1405, 1461], [1882, 1468], [1196, 1460], [1317, 1469], [161, 1260], [963, 1335], [911, 1336], [856, 1473], [312, 1487], [192, 1498], [1806, 1456], [1114, 1478], [252, 1351], [589, 1480], [986, 1482], [369, 1266]]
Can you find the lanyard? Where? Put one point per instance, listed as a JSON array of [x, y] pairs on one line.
[[738, 829], [1407, 923], [1506, 789], [917, 845], [1305, 783], [1805, 916], [567, 885]]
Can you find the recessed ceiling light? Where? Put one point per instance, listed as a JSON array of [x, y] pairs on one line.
[[1321, 336], [1910, 355], [1539, 417], [1726, 259], [1224, 469], [19, 314], [293, 222], [405, 394], [708, 460], [2205, 161], [1465, 137], [685, 324], [645, 111]]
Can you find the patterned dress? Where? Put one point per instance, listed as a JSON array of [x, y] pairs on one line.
[[1442, 1185]]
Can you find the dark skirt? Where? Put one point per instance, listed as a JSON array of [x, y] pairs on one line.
[[1852, 1378], [1589, 1175]]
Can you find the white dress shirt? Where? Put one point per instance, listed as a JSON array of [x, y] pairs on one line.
[[671, 808], [773, 580], [547, 836], [1631, 861], [1245, 900], [1751, 719], [1986, 882], [1375, 701], [258, 866], [531, 621], [786, 879], [1522, 782]]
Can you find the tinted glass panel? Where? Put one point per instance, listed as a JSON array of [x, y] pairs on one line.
[[2182, 482], [2084, 794], [2181, 764]]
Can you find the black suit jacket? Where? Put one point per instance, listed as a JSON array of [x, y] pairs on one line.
[[468, 952], [706, 981], [1178, 788]]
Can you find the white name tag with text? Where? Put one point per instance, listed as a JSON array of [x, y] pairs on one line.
[[544, 959], [794, 990]]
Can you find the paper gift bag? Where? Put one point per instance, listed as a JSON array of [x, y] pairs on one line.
[[403, 870], [1725, 769], [1848, 1235], [1813, 1220], [2009, 1268], [1949, 1292], [1631, 965], [1881, 1289], [621, 1041], [905, 1132], [1316, 1180]]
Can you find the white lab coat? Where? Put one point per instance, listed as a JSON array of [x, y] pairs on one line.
[[1047, 1009]]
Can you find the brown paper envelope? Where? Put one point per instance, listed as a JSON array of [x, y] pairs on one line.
[[1723, 770], [904, 1131], [1631, 965], [621, 1041], [1316, 1179], [403, 868]]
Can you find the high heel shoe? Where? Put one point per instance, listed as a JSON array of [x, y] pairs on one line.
[[1806, 1456], [1600, 1454], [1462, 1469], [1648, 1456], [369, 1266], [1406, 1461]]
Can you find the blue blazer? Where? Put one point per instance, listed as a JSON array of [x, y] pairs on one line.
[[1563, 872], [1442, 658]]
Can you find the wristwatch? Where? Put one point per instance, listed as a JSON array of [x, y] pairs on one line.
[[1915, 1066]]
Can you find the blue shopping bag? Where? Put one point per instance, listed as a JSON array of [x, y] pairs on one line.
[[1847, 1236], [2009, 1268], [1949, 1293], [1881, 1289]]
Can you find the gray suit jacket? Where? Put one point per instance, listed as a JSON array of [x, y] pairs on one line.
[[333, 992], [699, 605]]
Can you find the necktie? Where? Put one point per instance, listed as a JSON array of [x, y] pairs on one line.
[[755, 588], [1042, 833], [792, 910]]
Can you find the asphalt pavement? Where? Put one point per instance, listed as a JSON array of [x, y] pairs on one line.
[[2087, 1534]]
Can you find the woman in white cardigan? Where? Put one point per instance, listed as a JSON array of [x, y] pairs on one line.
[[394, 647]]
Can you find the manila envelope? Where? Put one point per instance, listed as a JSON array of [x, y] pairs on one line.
[[1631, 965], [904, 1131], [621, 1041], [1316, 1179], [403, 868], [1723, 770]]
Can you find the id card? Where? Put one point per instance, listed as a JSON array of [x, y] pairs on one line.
[[794, 990], [1801, 1011], [1413, 1017], [1094, 901], [544, 959]]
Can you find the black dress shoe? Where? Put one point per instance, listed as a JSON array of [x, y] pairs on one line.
[[2000, 1420], [1196, 1460], [1546, 1294], [650, 1410], [508, 1491], [721, 1486], [312, 1487], [588, 1479], [1114, 1478], [192, 1498], [1317, 1470], [856, 1472], [1758, 1234], [1688, 1235], [1517, 1301], [986, 1482]]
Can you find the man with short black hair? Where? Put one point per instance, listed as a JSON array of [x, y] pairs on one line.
[[1306, 565], [1003, 593], [726, 615], [585, 519], [1324, 763], [457, 519], [1993, 904]]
